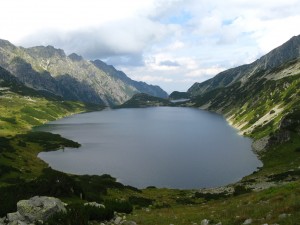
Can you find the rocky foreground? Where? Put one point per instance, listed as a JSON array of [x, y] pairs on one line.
[[38, 209]]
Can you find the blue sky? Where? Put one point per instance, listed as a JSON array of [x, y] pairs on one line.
[[171, 43]]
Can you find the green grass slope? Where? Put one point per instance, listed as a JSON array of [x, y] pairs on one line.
[[258, 106]]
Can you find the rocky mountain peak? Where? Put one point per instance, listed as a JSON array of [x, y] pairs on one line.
[[6, 44], [75, 57], [45, 52], [71, 77], [288, 51]]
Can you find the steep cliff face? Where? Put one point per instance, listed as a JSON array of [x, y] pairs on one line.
[[72, 77], [255, 97], [274, 59]]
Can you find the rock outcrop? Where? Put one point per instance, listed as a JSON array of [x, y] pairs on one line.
[[38, 208]]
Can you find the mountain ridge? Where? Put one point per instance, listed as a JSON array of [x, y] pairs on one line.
[[255, 98], [288, 51], [70, 76]]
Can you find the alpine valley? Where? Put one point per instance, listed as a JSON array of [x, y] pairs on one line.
[[261, 100]]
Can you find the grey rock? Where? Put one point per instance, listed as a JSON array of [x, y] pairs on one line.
[[17, 222], [128, 223], [204, 222], [219, 223], [269, 216], [117, 220], [282, 216], [14, 216], [248, 221], [39, 208], [95, 204]]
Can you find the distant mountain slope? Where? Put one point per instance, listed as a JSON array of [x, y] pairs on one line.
[[72, 77], [22, 107], [142, 100], [257, 98], [179, 95], [281, 55], [142, 87]]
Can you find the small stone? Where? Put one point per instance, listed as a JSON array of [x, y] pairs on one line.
[[247, 221], [118, 220], [269, 216], [95, 204], [128, 223], [220, 223], [282, 216], [205, 222]]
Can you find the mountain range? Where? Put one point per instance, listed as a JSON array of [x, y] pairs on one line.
[[71, 76], [256, 98], [274, 59]]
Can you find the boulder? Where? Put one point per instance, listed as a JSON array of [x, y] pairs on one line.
[[39, 208], [205, 222]]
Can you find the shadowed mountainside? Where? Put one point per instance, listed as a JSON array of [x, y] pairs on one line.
[[71, 77]]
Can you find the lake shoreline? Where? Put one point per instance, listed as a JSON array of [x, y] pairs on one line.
[[156, 108]]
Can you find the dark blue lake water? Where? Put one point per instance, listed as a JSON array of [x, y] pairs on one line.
[[161, 146]]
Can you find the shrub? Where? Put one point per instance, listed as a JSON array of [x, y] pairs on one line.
[[184, 201], [5, 144], [11, 120], [140, 201], [119, 206], [76, 214], [99, 214], [48, 140], [80, 214], [240, 189], [210, 196]]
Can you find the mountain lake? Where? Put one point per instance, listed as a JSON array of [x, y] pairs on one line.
[[170, 147]]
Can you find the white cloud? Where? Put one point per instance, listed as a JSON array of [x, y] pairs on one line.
[[206, 72], [167, 42], [153, 79]]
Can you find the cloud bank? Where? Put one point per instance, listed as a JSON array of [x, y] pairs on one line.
[[172, 43]]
